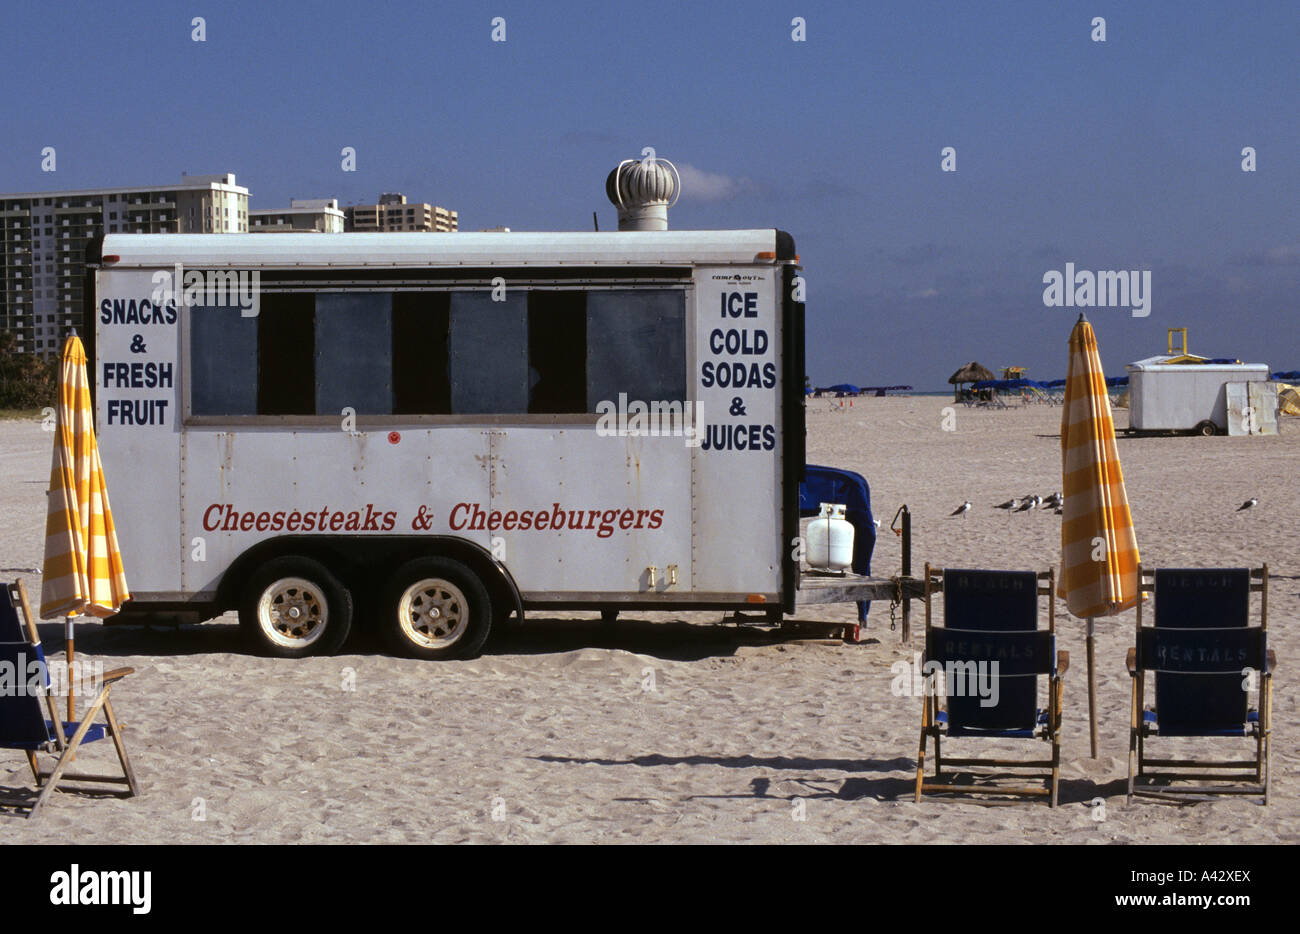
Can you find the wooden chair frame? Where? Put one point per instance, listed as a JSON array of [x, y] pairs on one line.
[[1051, 732], [65, 748], [1140, 765]]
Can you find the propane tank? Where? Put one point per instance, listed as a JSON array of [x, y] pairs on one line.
[[830, 539]]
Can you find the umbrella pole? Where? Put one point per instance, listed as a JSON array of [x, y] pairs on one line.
[[71, 654], [1092, 691]]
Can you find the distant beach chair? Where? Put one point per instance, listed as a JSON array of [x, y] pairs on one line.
[[23, 723], [1206, 658], [991, 638]]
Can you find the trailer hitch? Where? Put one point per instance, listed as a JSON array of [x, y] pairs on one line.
[[902, 528]]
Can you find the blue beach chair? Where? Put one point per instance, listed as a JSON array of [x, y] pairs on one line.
[[991, 639], [26, 702], [1206, 658]]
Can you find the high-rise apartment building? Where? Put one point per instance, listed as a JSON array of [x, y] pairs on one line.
[[43, 237], [393, 213], [302, 215]]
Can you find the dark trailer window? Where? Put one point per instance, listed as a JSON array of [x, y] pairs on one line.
[[453, 352]]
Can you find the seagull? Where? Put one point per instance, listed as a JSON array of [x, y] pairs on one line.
[[1248, 504], [1009, 504], [960, 510], [1054, 500], [1032, 503]]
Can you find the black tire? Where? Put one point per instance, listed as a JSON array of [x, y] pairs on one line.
[[435, 608], [608, 616], [295, 585], [1206, 429]]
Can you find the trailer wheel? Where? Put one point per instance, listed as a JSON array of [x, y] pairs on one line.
[[1206, 429], [436, 608], [294, 607]]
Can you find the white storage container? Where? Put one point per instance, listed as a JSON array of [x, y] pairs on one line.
[[1167, 396]]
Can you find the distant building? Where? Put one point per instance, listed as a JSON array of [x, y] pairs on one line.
[[303, 214], [393, 213], [43, 237]]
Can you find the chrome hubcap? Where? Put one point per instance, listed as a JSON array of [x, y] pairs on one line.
[[292, 612], [433, 613]]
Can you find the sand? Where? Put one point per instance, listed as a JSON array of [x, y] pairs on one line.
[[674, 727]]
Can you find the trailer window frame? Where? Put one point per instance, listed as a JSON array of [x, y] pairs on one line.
[[676, 279]]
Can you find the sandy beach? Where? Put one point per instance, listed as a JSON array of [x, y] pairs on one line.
[[676, 728]]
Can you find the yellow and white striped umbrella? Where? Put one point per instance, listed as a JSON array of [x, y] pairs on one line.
[[1099, 552], [83, 572]]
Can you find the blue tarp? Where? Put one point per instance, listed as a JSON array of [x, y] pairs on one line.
[[832, 485], [1005, 384], [1289, 376], [849, 389]]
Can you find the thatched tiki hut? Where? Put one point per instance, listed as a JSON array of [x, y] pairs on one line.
[[970, 373]]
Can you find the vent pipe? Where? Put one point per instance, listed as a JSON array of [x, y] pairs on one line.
[[643, 190]]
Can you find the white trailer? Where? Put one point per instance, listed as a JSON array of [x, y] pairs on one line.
[[437, 432], [1185, 396]]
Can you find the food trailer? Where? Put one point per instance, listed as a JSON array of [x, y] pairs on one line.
[[436, 433]]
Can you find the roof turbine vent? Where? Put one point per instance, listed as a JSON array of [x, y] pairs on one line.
[[643, 190]]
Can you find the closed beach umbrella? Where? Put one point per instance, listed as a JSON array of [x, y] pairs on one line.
[[1099, 553], [1288, 399], [83, 572]]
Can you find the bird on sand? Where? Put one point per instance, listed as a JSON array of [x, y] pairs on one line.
[[960, 510], [1032, 503], [1009, 504], [1248, 504]]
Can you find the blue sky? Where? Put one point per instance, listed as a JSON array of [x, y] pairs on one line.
[[1117, 155]]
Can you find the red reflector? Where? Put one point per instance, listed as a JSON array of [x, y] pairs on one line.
[[111, 258], [756, 598]]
